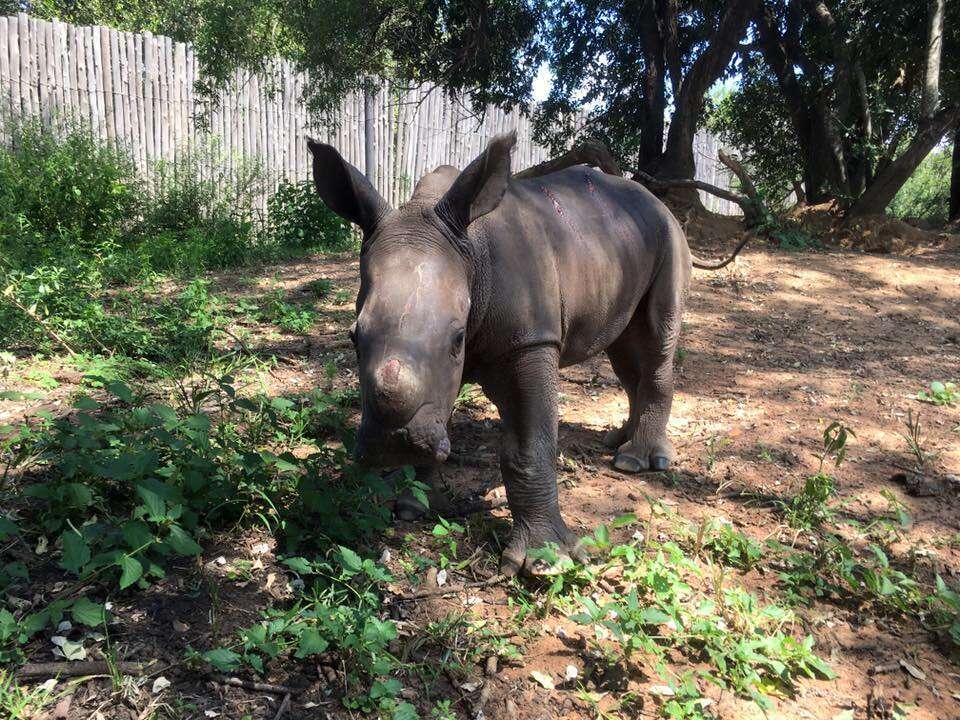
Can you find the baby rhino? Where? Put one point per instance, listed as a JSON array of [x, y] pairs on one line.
[[487, 279]]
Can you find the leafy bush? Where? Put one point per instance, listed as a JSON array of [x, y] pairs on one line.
[[63, 197], [201, 214], [300, 219], [940, 393], [926, 195], [76, 222], [123, 485]]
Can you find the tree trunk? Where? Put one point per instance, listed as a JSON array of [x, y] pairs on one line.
[[955, 178], [654, 88], [678, 160], [930, 97], [802, 113], [931, 129], [889, 180]]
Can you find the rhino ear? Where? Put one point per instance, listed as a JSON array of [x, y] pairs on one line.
[[480, 187], [344, 189]]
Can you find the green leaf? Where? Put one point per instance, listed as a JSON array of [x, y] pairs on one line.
[[350, 561], [821, 668], [653, 616], [88, 613], [7, 528], [311, 643], [181, 542], [389, 687], [299, 565], [405, 711], [154, 499], [136, 534], [624, 520], [132, 570], [73, 650], [85, 402], [222, 659], [76, 552], [120, 391]]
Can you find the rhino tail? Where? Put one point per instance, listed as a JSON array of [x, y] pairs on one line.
[[704, 265]]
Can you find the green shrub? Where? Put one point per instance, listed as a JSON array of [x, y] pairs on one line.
[[200, 215], [300, 220], [63, 196], [926, 195], [76, 222]]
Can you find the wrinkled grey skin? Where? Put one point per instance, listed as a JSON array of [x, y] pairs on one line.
[[481, 278]]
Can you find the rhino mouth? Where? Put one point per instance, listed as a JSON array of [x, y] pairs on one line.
[[421, 441]]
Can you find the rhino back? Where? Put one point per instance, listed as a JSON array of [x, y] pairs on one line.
[[571, 256]]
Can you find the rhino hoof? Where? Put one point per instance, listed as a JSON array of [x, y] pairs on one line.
[[660, 463], [629, 463]]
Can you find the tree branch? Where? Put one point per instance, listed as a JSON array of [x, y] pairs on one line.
[[50, 332], [737, 169], [589, 152], [746, 204]]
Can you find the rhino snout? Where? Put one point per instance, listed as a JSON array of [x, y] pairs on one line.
[[397, 394], [423, 439]]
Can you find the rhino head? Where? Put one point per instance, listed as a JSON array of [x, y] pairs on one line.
[[415, 317]]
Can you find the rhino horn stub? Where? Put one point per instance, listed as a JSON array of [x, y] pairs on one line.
[[398, 392]]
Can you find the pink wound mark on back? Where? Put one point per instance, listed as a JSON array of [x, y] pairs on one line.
[[559, 208], [591, 188], [391, 371]]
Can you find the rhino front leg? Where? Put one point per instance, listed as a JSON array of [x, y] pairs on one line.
[[524, 389]]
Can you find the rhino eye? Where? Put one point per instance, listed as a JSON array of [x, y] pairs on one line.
[[457, 345]]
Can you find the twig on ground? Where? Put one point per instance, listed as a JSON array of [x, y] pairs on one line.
[[453, 590], [48, 331], [79, 669], [253, 685], [284, 706], [473, 508], [240, 341], [598, 380], [885, 668]]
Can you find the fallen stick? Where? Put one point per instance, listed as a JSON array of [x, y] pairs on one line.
[[50, 332], [453, 590], [284, 706], [253, 685], [78, 669], [885, 668]]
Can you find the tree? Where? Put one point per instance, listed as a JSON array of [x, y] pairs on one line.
[[177, 18], [627, 62], [862, 87], [955, 178], [934, 122], [487, 47]]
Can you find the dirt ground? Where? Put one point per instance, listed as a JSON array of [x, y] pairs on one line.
[[774, 348]]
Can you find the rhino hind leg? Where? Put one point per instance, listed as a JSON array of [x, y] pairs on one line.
[[642, 358]]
